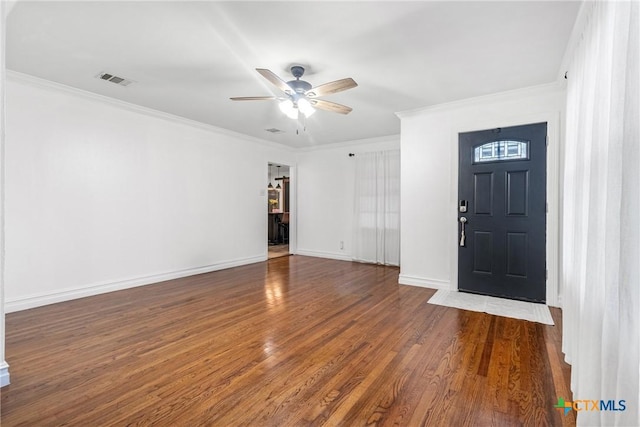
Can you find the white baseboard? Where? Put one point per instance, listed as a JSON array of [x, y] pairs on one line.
[[422, 282], [4, 374], [24, 303], [330, 255]]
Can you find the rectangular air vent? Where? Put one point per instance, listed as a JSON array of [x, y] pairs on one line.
[[274, 130], [114, 79]]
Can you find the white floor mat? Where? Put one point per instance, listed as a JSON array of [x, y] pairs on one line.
[[499, 306]]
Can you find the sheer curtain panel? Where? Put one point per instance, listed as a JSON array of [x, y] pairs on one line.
[[377, 208], [601, 239]]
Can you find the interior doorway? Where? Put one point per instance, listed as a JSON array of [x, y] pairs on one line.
[[278, 210]]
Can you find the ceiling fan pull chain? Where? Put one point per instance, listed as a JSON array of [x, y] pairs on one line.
[[302, 119]]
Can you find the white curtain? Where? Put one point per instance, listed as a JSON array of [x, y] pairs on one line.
[[377, 208], [601, 239]]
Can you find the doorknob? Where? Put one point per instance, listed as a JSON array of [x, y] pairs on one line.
[[463, 221]]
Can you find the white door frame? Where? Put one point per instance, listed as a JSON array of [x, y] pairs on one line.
[[293, 204]]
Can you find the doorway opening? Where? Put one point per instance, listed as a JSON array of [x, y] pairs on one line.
[[502, 212], [278, 210]]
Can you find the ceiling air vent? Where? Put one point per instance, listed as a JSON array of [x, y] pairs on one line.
[[274, 130], [114, 79]]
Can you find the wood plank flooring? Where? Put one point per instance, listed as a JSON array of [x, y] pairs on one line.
[[275, 251], [294, 341]]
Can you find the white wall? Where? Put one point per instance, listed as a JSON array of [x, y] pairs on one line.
[[102, 195], [4, 11], [325, 187], [429, 156]]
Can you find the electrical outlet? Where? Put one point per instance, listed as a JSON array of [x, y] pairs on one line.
[[341, 244]]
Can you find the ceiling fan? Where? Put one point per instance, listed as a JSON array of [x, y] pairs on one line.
[[300, 95]]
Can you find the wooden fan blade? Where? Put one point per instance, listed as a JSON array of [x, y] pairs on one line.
[[252, 98], [330, 106], [331, 87], [275, 80]]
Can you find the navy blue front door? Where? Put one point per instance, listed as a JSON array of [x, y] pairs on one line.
[[502, 212]]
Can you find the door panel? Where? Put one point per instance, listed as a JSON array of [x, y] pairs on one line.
[[502, 179], [517, 254], [517, 192], [483, 193], [483, 248]]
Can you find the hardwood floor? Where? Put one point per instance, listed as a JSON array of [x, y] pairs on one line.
[[289, 342], [275, 251]]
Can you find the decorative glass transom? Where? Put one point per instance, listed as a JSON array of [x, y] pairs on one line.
[[501, 150]]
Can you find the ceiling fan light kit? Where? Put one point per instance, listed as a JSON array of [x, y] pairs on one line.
[[301, 95], [289, 109], [305, 107]]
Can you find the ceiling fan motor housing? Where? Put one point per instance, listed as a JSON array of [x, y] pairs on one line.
[[298, 86]]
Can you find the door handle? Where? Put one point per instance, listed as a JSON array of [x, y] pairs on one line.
[[463, 221]]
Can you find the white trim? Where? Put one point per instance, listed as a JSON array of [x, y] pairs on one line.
[[293, 206], [553, 214], [484, 99], [404, 279], [48, 84], [5, 7], [4, 374], [320, 254], [24, 303], [51, 85], [552, 118], [353, 144]]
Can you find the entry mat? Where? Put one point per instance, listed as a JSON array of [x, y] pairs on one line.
[[499, 306]]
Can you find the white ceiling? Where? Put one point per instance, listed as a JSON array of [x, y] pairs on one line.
[[188, 58]]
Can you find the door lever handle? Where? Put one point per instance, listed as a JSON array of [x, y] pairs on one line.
[[463, 221]]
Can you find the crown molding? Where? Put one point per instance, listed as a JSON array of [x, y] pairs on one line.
[[352, 144], [51, 85], [484, 99]]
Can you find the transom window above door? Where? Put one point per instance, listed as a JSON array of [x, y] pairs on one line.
[[501, 150]]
